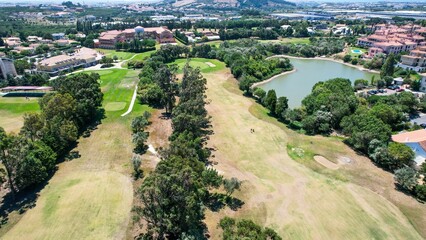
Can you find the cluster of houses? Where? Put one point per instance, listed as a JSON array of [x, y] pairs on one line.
[[32, 42], [387, 39]]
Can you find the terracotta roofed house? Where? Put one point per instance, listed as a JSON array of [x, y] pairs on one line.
[[416, 140], [110, 38]]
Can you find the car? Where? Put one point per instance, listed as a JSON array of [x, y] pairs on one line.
[[382, 91], [423, 125], [393, 87]]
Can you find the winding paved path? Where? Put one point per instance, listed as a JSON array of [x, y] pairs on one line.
[[132, 103]]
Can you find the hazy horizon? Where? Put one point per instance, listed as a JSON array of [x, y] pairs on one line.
[[141, 1]]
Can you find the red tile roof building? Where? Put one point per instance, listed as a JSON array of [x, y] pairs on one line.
[[110, 38], [393, 39]]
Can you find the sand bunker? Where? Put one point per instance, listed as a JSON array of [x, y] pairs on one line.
[[210, 64], [326, 163]]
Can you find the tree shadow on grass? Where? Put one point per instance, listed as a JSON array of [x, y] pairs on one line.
[[21, 202], [217, 201]]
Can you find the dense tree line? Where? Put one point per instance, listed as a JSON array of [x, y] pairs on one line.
[[239, 33], [247, 61], [139, 135], [136, 45], [181, 37], [245, 229], [158, 85], [30, 157], [174, 196], [244, 23], [246, 58], [36, 79], [317, 47]]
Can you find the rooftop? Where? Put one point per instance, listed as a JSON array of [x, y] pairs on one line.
[[407, 137]]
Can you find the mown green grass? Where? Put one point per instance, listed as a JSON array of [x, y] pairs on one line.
[[200, 63], [143, 56], [13, 109], [296, 40], [119, 54], [139, 57], [19, 105]]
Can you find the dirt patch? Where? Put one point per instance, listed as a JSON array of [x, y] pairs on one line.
[[326, 163], [159, 130], [345, 160]]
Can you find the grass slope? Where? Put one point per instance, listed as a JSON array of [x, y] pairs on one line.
[[90, 197], [295, 200]]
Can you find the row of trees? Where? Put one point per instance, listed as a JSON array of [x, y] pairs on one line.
[[245, 229], [136, 45], [317, 47], [175, 194], [30, 157], [36, 79]]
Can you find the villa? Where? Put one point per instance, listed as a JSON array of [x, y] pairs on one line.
[[108, 39], [416, 140]]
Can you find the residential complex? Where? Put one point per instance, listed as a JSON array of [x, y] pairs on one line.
[[393, 39], [108, 39], [83, 57]]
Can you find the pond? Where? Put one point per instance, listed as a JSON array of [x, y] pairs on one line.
[[297, 85]]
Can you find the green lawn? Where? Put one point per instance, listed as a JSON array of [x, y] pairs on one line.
[[139, 57], [112, 53], [13, 109], [19, 105], [143, 56], [296, 40], [205, 65]]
